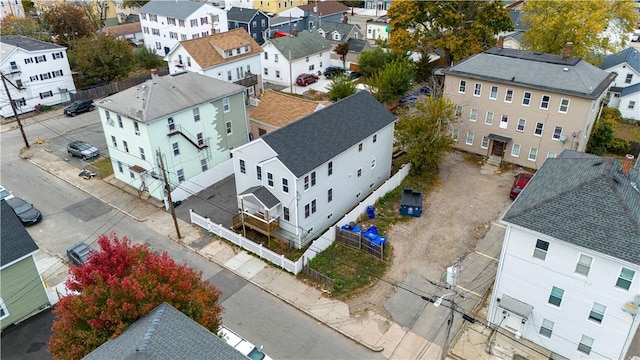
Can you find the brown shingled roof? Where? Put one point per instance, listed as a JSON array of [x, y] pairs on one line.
[[203, 50], [326, 7], [123, 29], [279, 109]]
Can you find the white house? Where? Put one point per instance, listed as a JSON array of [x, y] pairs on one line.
[[193, 120], [377, 29], [625, 92], [164, 23], [295, 182], [11, 7], [232, 56], [569, 271], [285, 58], [35, 72]]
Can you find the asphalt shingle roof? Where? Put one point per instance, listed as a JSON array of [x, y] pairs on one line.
[[630, 55], [279, 109], [28, 43], [357, 45], [572, 76], [204, 50], [167, 95], [16, 241], [586, 201], [166, 333], [241, 15], [304, 44], [325, 7], [317, 138], [630, 90], [329, 27], [263, 194], [176, 9]]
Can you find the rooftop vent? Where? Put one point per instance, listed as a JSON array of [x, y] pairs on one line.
[[565, 69]]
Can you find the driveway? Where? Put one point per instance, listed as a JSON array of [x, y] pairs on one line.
[[321, 86], [217, 202]]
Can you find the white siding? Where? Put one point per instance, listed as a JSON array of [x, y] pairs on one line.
[[318, 62]]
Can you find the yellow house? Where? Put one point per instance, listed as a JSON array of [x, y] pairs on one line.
[[276, 6]]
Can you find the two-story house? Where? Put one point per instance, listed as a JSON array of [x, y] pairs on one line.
[[338, 33], [625, 92], [285, 58], [255, 22], [35, 72], [164, 23], [569, 272], [317, 13], [295, 182], [11, 7], [277, 6], [377, 29], [188, 120], [523, 107], [131, 32], [22, 292], [231, 56]]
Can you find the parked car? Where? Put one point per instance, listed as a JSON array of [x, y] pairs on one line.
[[28, 214], [521, 180], [353, 74], [332, 71], [79, 253], [242, 345], [4, 193], [82, 149], [306, 79], [79, 106]]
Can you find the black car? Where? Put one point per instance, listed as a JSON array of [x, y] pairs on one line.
[[78, 107], [332, 71], [26, 212], [353, 74], [79, 253]]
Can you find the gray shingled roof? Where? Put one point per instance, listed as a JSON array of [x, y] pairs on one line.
[[167, 95], [630, 55], [630, 90], [357, 45], [305, 44], [166, 333], [241, 14], [178, 9], [16, 241], [586, 201], [329, 27], [572, 76], [263, 195], [28, 43], [317, 138]]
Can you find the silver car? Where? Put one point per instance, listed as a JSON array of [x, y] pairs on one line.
[[83, 150]]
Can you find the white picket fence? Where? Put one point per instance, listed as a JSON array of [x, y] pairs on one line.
[[318, 245]]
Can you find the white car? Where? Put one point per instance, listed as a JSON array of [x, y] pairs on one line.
[[242, 345], [5, 194]]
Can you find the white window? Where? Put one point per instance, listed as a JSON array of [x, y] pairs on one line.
[[477, 90], [181, 23], [586, 343], [504, 121], [533, 154], [469, 140], [180, 173], [462, 87], [114, 141], [3, 310], [625, 278], [521, 123], [285, 185], [564, 106], [515, 150], [176, 149], [155, 31], [455, 135], [544, 103], [277, 74], [627, 80], [270, 179], [173, 35], [225, 105], [266, 72], [488, 119], [243, 168], [546, 329], [541, 249], [193, 22], [551, 155], [632, 104], [555, 298], [229, 129], [136, 128], [597, 312], [459, 109], [196, 114], [508, 96], [474, 115], [493, 94], [204, 165], [557, 131], [373, 163], [120, 167], [526, 98], [142, 155], [125, 146], [539, 128], [485, 142], [259, 172]]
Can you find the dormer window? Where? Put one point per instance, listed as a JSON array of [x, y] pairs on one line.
[[336, 36]]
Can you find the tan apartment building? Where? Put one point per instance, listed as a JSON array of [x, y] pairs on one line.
[[523, 107]]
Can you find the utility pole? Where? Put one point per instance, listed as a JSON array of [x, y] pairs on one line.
[[452, 280], [290, 74], [168, 190], [15, 112]]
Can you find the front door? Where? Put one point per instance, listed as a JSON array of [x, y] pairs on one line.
[[498, 148]]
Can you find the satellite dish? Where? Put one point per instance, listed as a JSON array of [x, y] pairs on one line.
[[562, 138], [631, 308]]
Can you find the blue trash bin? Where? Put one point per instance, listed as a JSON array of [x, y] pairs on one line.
[[371, 211]]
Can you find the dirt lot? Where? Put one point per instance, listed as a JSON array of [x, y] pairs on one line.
[[456, 214]]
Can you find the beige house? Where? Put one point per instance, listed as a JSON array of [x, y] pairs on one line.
[[522, 107], [277, 109]]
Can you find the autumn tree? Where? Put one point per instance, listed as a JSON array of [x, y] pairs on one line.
[[391, 83], [68, 21], [148, 59], [551, 24], [121, 283], [101, 60], [602, 135], [459, 28], [342, 49], [424, 131], [134, 3], [341, 87], [26, 26]]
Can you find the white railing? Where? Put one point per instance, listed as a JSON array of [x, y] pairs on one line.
[[318, 245]]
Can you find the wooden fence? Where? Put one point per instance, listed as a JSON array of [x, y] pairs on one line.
[[357, 241], [316, 276], [114, 87]]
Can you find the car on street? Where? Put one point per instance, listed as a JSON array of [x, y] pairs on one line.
[[519, 182], [239, 343], [4, 193], [79, 253], [78, 107], [82, 149], [332, 71], [306, 79], [27, 214]]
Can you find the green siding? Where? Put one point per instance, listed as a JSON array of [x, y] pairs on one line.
[[22, 291]]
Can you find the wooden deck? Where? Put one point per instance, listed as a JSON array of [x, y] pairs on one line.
[[254, 222]]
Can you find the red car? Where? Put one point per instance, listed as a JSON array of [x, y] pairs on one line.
[[521, 180], [306, 79]]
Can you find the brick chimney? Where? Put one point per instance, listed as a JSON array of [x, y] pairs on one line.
[[500, 44], [567, 50], [627, 164]]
